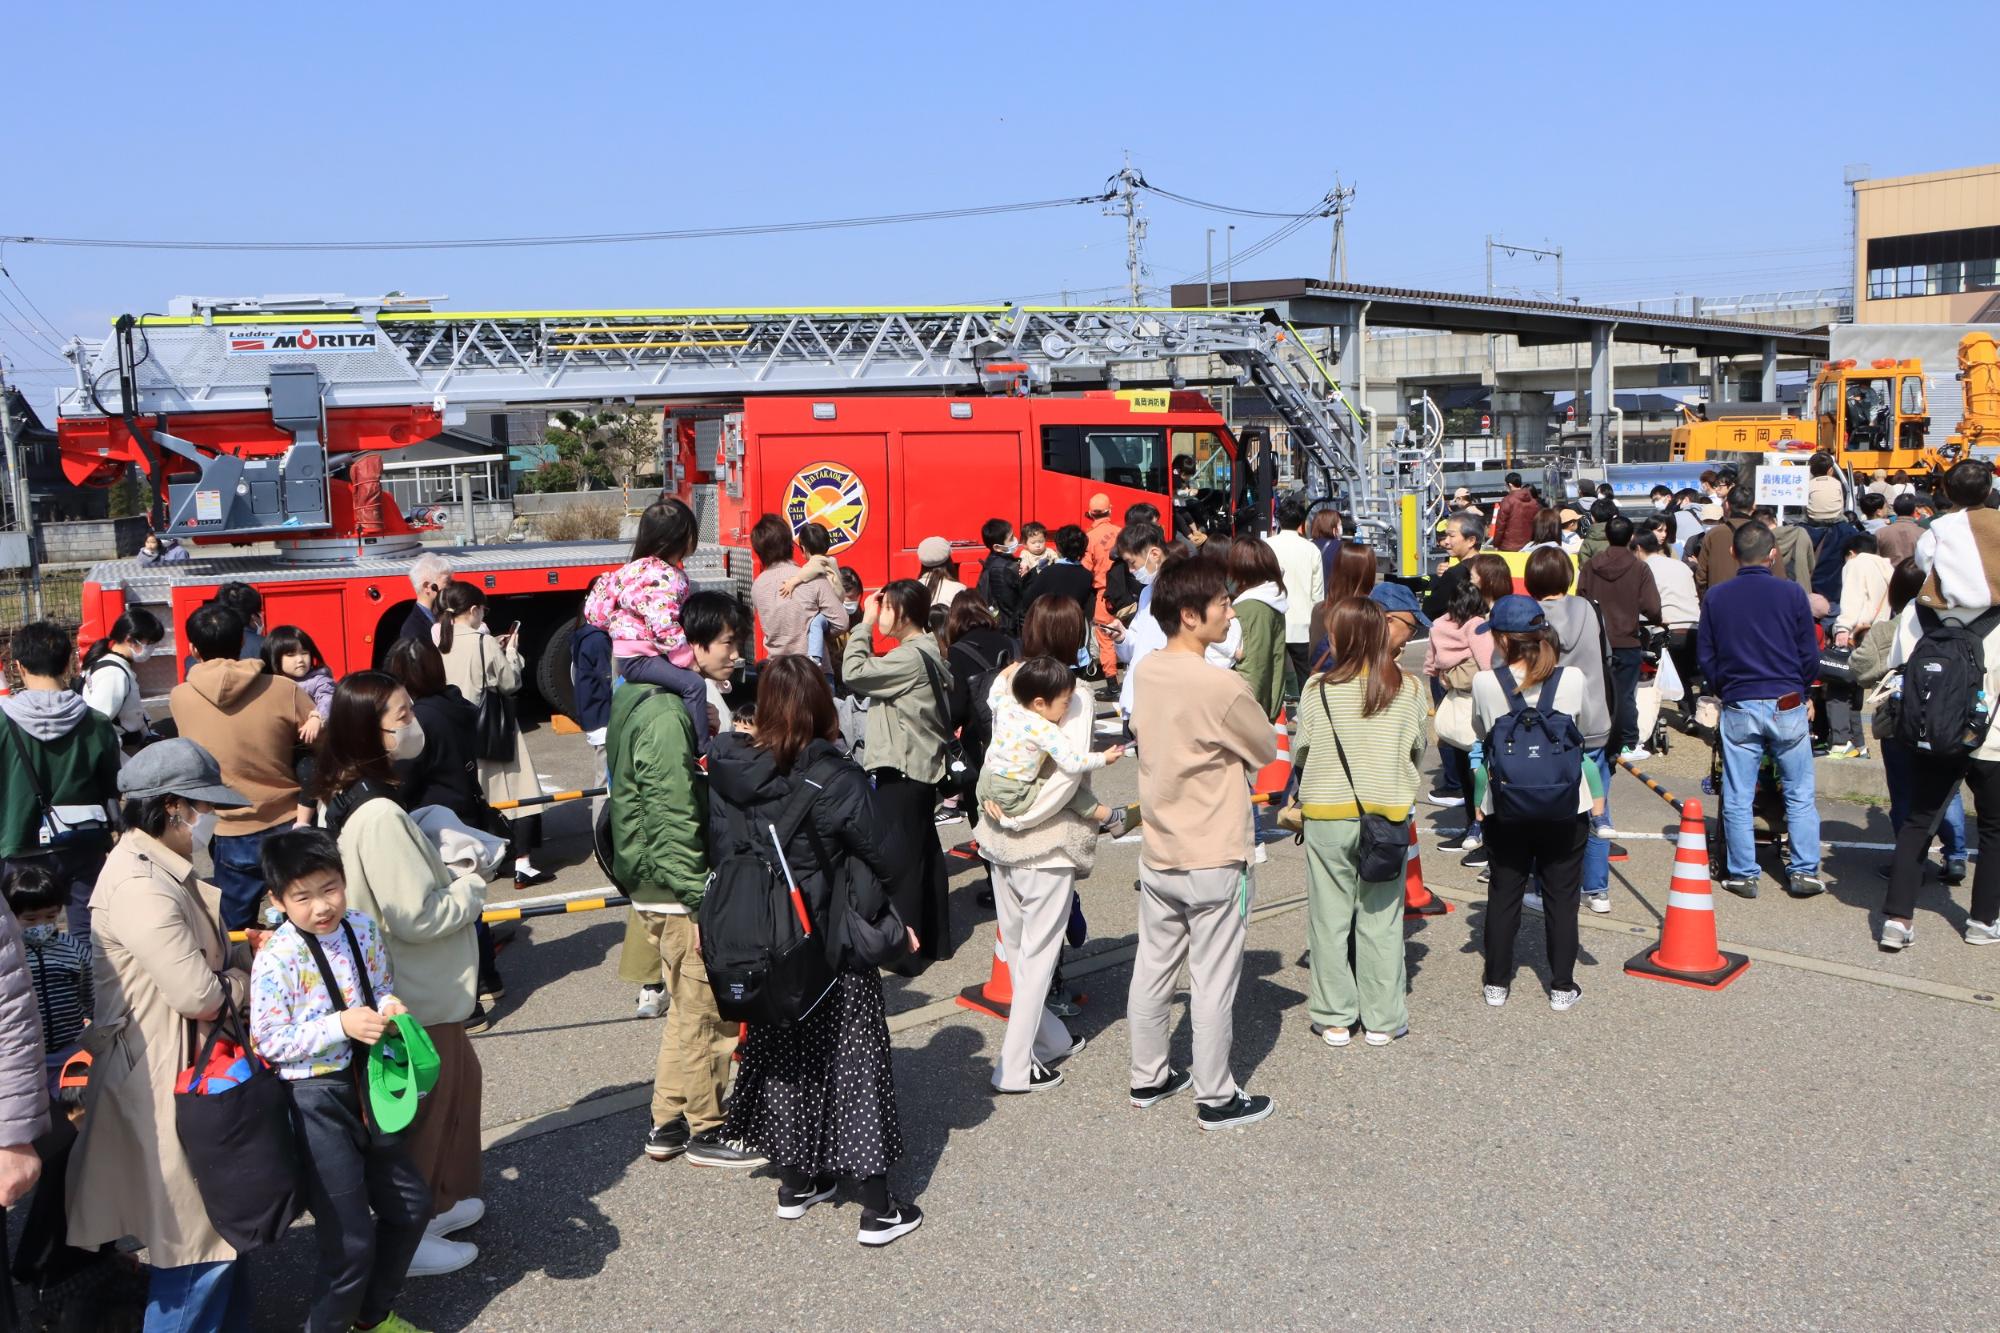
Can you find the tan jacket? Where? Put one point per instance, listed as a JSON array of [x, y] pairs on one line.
[[394, 874], [250, 722], [161, 957], [477, 663], [1202, 736]]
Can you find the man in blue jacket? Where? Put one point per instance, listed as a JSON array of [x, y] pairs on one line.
[[1760, 656]]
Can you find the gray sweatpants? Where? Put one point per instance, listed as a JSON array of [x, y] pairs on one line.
[[1195, 917], [1033, 911]]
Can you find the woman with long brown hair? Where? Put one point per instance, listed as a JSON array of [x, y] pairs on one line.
[[1361, 732], [1454, 655], [1352, 574], [817, 1097], [428, 915], [1525, 646]]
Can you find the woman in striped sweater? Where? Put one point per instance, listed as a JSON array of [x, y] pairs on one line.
[[1362, 729]]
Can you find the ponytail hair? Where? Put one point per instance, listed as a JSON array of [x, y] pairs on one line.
[[455, 601], [137, 625]]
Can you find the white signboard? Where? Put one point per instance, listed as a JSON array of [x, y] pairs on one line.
[[1781, 487]]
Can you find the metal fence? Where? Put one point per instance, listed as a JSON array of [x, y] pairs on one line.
[[60, 598]]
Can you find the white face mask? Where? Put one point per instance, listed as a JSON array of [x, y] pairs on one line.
[[853, 610], [1660, 504], [201, 828], [144, 651], [1009, 547], [40, 935], [1145, 576], [409, 741]]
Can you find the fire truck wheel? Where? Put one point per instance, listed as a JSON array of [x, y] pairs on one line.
[[552, 678]]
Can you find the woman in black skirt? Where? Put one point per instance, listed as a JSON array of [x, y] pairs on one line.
[[818, 1097]]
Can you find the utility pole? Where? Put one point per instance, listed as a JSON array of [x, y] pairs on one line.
[[1125, 203], [17, 487], [1229, 265], [1208, 272], [1338, 201]]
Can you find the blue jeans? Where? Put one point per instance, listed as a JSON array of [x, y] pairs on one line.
[[1597, 851], [816, 640], [1752, 728], [239, 873], [1899, 766], [199, 1298]]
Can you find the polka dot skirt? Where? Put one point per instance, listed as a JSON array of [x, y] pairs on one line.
[[819, 1096]]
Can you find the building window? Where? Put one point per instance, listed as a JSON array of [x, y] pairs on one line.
[[1937, 263]]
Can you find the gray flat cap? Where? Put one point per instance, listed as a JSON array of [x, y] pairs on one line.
[[177, 768]]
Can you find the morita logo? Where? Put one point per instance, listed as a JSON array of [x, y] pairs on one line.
[[290, 342]]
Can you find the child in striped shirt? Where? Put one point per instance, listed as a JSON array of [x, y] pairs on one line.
[[58, 965]]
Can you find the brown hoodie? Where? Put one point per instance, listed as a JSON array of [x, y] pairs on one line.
[[250, 722]]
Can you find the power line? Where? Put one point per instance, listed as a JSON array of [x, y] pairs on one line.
[[14, 282], [582, 238]]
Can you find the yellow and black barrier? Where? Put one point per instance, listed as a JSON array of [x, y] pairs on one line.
[[549, 799], [596, 902], [1653, 786]]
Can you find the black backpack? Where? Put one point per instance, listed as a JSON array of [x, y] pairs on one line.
[[768, 961], [1942, 708], [979, 707], [1534, 755]]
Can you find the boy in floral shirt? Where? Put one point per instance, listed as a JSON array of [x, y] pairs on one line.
[[320, 991]]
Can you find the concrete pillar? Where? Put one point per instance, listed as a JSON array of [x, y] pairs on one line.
[[1768, 390], [1715, 379], [1601, 392]]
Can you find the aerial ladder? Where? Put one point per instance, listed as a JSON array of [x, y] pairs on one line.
[[283, 406]]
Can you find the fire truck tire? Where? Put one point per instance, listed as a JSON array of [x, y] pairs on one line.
[[552, 678]]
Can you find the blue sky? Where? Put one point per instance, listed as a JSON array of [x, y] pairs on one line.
[[1690, 158]]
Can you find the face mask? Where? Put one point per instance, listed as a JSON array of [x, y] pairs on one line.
[[145, 651], [1009, 547], [1144, 576], [1659, 504], [409, 741], [41, 935], [201, 828], [853, 610]]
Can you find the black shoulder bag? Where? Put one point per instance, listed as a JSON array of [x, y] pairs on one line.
[[239, 1142], [1385, 843], [497, 728]]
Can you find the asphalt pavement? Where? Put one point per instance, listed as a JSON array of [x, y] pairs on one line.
[[1810, 1148]]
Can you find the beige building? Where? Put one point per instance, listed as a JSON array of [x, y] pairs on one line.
[[1927, 248]]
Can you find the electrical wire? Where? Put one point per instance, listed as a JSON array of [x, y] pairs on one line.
[[1320, 210], [587, 238], [47, 324]]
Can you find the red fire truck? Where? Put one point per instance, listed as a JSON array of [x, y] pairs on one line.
[[266, 422]]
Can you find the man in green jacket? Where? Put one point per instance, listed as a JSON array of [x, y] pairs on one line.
[[658, 819], [56, 750]]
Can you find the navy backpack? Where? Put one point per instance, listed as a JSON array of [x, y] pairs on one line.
[[1534, 755]]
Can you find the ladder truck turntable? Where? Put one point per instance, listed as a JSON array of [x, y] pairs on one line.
[[268, 420]]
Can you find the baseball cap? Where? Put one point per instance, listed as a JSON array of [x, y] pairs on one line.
[[1709, 513], [933, 551], [177, 767], [1570, 516], [402, 1067], [1398, 597], [1515, 614]]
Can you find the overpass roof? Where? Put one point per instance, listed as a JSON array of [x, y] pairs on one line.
[[1315, 302]]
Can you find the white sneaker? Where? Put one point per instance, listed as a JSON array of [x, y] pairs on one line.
[[1496, 996], [1896, 935], [1982, 932], [1374, 1038], [1532, 902], [652, 1003], [458, 1217], [437, 1256], [1561, 1000], [1261, 856], [1638, 754], [1599, 903]]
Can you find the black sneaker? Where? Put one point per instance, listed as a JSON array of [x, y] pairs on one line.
[[491, 989], [1452, 842], [1040, 1079], [884, 1228], [668, 1140], [480, 1019], [1238, 1110], [709, 1148], [793, 1206], [1076, 1045], [1177, 1081], [1474, 859]]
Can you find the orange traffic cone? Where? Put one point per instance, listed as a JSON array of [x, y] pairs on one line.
[[1275, 776], [1418, 900], [996, 995], [1687, 955]]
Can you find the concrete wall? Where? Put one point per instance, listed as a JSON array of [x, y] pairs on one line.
[[82, 540]]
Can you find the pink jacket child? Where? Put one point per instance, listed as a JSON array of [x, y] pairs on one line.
[[1450, 643], [639, 606]]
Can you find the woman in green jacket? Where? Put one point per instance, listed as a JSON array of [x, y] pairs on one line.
[[1260, 613], [1362, 730], [908, 690]]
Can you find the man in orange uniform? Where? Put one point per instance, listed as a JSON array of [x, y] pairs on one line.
[[1103, 543]]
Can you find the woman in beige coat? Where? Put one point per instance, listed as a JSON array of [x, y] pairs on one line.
[[477, 660], [162, 966]]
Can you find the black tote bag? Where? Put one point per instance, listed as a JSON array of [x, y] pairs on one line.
[[496, 727], [240, 1144]]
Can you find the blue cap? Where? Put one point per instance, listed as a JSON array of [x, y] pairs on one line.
[[1515, 614], [1398, 597]]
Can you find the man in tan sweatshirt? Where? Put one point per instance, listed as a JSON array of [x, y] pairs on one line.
[[253, 723], [1201, 736]]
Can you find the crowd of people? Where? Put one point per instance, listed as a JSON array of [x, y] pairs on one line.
[[347, 825]]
